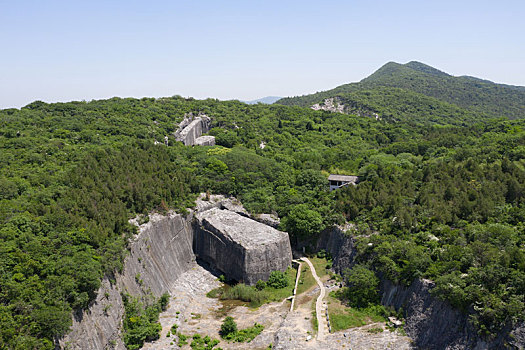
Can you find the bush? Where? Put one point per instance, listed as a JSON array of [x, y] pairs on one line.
[[277, 280], [228, 327], [260, 285], [363, 286], [163, 301], [140, 322], [248, 334], [302, 221]]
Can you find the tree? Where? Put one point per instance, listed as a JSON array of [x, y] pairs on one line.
[[302, 221], [363, 286], [228, 327]]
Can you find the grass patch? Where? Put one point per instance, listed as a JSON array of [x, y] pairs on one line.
[[245, 293], [214, 293], [182, 340], [275, 294], [375, 330], [306, 281], [320, 265], [343, 318], [315, 324], [255, 297]]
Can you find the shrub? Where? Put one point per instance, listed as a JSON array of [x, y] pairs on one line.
[[228, 327], [277, 280], [163, 301], [260, 285], [363, 286]]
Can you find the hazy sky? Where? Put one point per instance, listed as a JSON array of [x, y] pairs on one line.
[[83, 50]]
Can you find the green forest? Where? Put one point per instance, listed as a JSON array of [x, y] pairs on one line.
[[441, 194], [433, 88]]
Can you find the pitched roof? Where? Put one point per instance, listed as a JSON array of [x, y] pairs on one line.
[[344, 178]]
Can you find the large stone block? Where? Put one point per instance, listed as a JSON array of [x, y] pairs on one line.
[[205, 141], [191, 128], [243, 249]]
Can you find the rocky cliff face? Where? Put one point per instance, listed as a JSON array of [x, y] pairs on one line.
[[432, 323], [244, 249], [191, 129], [160, 253], [163, 250]]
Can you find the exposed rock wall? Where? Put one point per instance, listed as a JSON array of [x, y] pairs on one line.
[[163, 250], [244, 249], [431, 322], [160, 253], [331, 105], [191, 129], [205, 141]]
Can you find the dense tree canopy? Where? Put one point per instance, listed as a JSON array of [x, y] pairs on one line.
[[444, 202]]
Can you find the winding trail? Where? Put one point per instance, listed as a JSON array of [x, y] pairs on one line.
[[321, 322]]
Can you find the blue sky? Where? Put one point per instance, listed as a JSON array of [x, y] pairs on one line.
[[73, 50]]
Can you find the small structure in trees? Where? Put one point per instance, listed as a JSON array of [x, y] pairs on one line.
[[338, 181]]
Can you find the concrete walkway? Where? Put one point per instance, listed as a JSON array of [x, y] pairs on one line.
[[296, 283], [319, 309]]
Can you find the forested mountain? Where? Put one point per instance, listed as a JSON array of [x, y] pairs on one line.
[[445, 202], [479, 98]]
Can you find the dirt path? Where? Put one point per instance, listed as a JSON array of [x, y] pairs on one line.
[[319, 309]]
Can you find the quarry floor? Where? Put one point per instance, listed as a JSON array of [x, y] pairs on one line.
[[194, 313]]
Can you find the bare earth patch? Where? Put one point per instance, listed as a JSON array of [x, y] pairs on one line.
[[194, 313]]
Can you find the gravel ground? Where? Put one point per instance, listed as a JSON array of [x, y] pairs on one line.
[[193, 312]]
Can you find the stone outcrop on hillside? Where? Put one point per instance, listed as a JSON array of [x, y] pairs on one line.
[[331, 105], [243, 249], [191, 129], [205, 141]]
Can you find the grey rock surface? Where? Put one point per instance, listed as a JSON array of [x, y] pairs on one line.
[[161, 252], [244, 249], [100, 326], [191, 128], [205, 141], [268, 219]]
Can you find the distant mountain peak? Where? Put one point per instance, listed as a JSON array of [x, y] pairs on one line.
[[421, 67], [392, 69]]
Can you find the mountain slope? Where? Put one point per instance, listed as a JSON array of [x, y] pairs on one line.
[[482, 97]]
